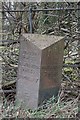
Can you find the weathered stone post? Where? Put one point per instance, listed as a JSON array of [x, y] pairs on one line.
[[40, 68]]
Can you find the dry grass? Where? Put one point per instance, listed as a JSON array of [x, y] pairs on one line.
[[61, 109]]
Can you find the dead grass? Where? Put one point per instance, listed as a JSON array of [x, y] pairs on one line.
[[61, 109]]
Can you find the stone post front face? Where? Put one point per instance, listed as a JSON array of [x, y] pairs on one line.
[[40, 68]]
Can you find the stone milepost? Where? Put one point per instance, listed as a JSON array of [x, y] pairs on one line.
[[40, 68]]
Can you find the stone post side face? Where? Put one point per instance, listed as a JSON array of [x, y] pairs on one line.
[[51, 71], [40, 67], [28, 74]]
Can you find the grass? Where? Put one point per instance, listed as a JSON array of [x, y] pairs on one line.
[[60, 109], [65, 107]]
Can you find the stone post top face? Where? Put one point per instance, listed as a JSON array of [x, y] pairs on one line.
[[42, 41]]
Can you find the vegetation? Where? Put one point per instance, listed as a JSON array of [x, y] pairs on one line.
[[63, 22]]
